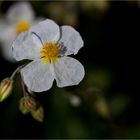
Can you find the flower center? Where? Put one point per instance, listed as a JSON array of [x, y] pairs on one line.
[[50, 52], [22, 26]]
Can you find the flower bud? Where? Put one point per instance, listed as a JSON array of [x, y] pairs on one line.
[[38, 114], [27, 104], [6, 87]]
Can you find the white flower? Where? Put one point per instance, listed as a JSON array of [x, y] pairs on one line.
[[18, 18], [75, 100], [48, 45]]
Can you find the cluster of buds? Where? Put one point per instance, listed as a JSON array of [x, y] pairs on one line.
[[28, 104]]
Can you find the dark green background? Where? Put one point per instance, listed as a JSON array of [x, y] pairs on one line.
[[110, 57]]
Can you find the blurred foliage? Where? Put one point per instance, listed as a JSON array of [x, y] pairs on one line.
[[104, 104]]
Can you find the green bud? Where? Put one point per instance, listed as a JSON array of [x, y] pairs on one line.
[[6, 87], [38, 114], [27, 104]]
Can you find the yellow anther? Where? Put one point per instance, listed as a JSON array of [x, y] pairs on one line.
[[50, 52]]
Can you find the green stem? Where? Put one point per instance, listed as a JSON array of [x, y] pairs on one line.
[[16, 71]]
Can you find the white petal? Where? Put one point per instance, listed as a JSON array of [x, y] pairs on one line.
[[38, 76], [37, 20], [26, 46], [68, 71], [20, 11], [71, 40], [47, 30]]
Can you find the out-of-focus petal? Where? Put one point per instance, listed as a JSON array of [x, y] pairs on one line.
[[7, 32], [20, 11], [7, 51], [7, 35]]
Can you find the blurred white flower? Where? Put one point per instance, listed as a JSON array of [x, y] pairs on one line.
[[48, 45], [100, 5], [75, 100], [64, 12], [18, 18]]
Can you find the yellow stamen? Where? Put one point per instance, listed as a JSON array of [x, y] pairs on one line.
[[22, 26], [50, 52]]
